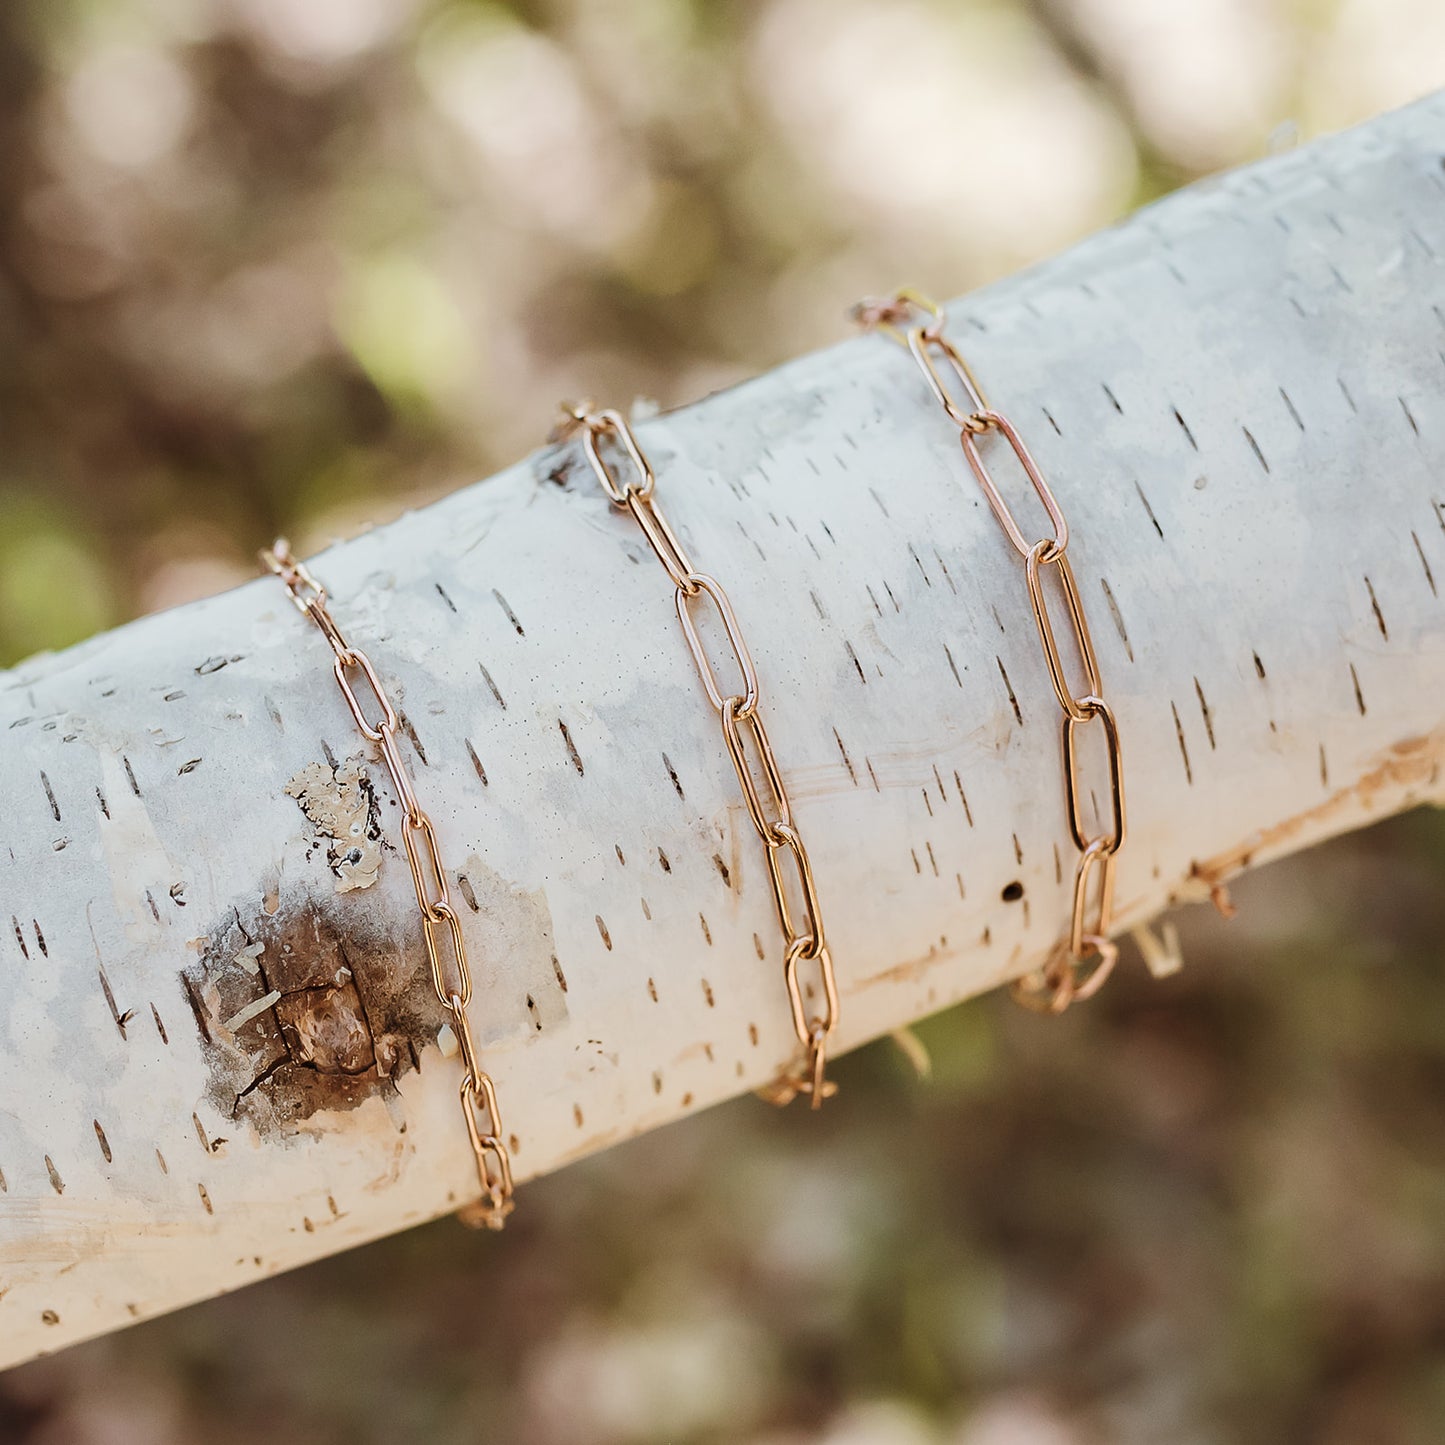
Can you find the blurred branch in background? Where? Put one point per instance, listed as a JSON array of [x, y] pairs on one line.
[[268, 266]]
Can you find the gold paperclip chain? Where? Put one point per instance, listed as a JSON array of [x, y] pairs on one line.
[[746, 739], [438, 917], [1083, 960]]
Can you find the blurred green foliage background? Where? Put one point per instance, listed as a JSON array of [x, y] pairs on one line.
[[298, 264], [295, 265]]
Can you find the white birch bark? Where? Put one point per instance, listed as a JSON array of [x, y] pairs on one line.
[[1238, 398]]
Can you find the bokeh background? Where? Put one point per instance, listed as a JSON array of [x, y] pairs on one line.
[[296, 265]]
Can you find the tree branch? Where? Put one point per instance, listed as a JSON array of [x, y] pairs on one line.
[[218, 1045]]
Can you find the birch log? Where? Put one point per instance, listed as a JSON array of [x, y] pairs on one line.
[[220, 1057]]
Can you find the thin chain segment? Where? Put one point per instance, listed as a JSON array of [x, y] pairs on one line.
[[446, 951], [1085, 957], [629, 482]]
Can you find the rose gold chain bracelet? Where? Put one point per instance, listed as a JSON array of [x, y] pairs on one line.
[[440, 924], [629, 484], [1084, 958]]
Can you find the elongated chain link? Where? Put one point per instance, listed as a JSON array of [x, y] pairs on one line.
[[1086, 955], [446, 951], [629, 482]]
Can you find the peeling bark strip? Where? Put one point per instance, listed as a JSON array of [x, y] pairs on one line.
[[341, 803], [290, 1101]]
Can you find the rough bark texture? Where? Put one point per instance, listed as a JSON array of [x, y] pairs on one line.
[[218, 1047]]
